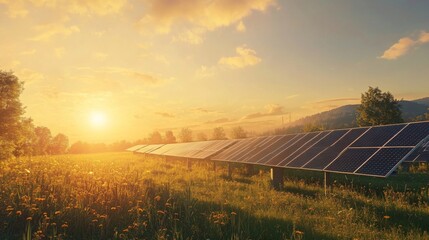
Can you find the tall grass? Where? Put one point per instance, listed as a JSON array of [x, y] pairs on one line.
[[127, 196]]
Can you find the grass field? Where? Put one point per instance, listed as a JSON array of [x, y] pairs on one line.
[[127, 196]]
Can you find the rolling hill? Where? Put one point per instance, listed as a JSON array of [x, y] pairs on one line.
[[345, 116]]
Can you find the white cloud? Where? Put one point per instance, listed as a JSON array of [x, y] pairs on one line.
[[51, 30], [404, 45], [245, 57], [186, 15]]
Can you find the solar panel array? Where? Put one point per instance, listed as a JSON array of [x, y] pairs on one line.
[[372, 151], [135, 148]]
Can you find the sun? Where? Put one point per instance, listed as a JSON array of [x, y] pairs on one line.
[[98, 119]]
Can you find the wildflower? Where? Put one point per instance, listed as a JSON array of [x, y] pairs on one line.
[[161, 212], [386, 217], [57, 212], [113, 208], [9, 208], [125, 230], [157, 198], [29, 218], [19, 213], [233, 213], [299, 232], [65, 225], [28, 171]]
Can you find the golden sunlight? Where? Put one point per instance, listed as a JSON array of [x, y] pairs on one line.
[[98, 119]]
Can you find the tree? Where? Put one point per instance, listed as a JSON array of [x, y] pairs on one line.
[[43, 140], [59, 144], [169, 137], [312, 127], [10, 112], [185, 135], [201, 136], [155, 137], [238, 132], [218, 133], [378, 108], [26, 138]]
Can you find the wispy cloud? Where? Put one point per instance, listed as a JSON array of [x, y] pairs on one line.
[[21, 8], [337, 100], [220, 120], [48, 31], [272, 110], [245, 57], [165, 114], [404, 45]]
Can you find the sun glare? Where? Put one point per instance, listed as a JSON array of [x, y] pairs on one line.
[[98, 119]]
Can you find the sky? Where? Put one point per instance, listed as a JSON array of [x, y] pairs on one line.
[[107, 70]]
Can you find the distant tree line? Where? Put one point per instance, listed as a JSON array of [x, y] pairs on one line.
[[18, 135]]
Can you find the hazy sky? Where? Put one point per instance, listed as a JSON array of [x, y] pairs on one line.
[[168, 64]]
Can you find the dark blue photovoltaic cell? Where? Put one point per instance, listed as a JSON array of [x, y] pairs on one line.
[[377, 136], [411, 135], [253, 149], [291, 149], [328, 155], [287, 143], [232, 150], [317, 148], [258, 149], [383, 161], [240, 152], [270, 151], [351, 159], [302, 149]]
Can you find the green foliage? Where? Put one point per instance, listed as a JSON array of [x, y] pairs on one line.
[[378, 108], [169, 137], [155, 138], [10, 112], [238, 132], [59, 144], [185, 135], [312, 127], [218, 133], [43, 140]]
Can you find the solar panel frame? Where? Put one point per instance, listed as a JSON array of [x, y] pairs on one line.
[[251, 144], [222, 155]]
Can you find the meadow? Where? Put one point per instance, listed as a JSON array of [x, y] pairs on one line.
[[130, 196]]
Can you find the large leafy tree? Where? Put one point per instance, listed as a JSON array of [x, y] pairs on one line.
[[218, 133], [238, 132], [378, 108], [185, 135], [43, 140], [169, 137], [59, 144], [10, 112]]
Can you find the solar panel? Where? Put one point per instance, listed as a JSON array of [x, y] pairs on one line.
[[231, 154], [255, 148], [350, 160], [372, 151], [329, 154], [411, 135], [378, 136], [304, 148], [317, 148], [135, 148], [213, 149], [383, 161], [287, 149], [271, 150], [258, 152]]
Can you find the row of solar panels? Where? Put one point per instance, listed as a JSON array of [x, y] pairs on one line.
[[372, 151]]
